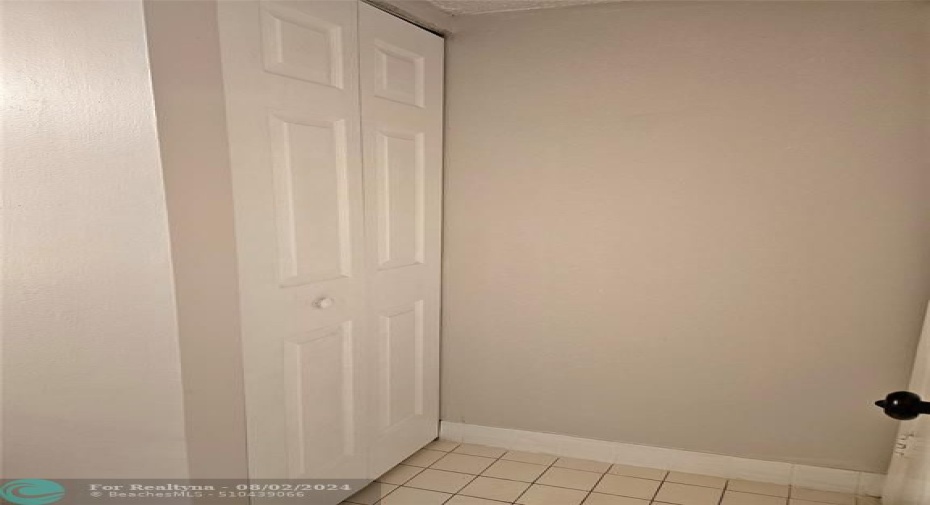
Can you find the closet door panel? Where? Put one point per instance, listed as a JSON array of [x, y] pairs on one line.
[[293, 117], [401, 98], [401, 198]]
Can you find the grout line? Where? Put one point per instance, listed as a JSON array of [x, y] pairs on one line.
[[661, 485], [548, 467], [596, 484], [723, 492]]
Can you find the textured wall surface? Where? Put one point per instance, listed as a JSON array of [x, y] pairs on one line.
[[697, 225], [91, 374]]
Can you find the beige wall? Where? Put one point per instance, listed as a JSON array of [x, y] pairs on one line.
[[187, 78], [91, 376], [695, 225]]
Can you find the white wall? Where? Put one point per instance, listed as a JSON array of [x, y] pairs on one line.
[[698, 225], [183, 41], [90, 348]]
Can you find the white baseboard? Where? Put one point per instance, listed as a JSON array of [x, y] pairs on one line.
[[812, 477]]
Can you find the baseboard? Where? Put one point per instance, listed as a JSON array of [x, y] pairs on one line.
[[812, 477]]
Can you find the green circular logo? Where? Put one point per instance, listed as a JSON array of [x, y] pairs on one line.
[[32, 492]]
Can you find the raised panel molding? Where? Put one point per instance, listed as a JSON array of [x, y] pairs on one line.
[[400, 198], [399, 75], [298, 45], [311, 198], [401, 364], [320, 399]]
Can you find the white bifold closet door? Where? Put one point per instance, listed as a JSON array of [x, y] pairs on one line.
[[401, 89], [334, 112]]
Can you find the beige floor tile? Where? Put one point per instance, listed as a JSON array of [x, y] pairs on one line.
[[548, 495], [737, 498], [566, 477], [868, 500], [495, 489], [582, 464], [440, 480], [638, 472], [630, 487], [480, 450], [823, 496], [684, 494], [424, 458], [530, 457], [514, 470], [442, 445], [694, 479], [609, 499], [745, 486], [795, 501], [411, 496], [371, 493], [463, 463], [470, 500], [400, 474]]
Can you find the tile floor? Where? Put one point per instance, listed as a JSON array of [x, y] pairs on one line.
[[448, 473]]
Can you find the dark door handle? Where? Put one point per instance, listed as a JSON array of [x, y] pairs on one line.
[[904, 405]]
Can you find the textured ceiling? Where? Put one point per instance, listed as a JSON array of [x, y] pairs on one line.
[[468, 7]]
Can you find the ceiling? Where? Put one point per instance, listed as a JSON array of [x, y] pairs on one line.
[[470, 7]]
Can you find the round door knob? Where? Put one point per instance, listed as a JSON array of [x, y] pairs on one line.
[[324, 303], [904, 405]]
